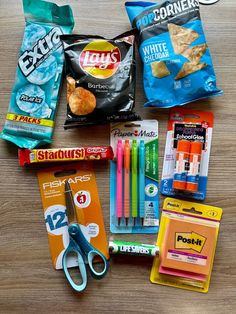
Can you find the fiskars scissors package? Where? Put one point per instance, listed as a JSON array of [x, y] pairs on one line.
[[177, 63], [88, 209], [187, 153], [31, 113], [134, 201], [187, 241]]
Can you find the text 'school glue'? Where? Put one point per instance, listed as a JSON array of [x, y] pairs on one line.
[[194, 166], [181, 166]]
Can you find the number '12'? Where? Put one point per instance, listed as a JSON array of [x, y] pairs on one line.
[[56, 221]]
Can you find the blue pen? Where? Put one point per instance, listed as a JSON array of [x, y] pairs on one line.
[[141, 180]]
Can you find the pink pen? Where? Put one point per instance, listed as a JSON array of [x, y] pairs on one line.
[[126, 181], [119, 179]]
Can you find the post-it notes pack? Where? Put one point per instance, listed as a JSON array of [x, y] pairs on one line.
[[187, 240]]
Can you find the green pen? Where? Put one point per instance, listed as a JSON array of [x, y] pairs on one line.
[[134, 181]]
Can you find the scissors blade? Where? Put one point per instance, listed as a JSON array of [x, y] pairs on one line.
[[70, 206]]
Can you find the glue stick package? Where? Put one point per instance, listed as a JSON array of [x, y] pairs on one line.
[[82, 181], [187, 241], [187, 153], [31, 113], [134, 186]]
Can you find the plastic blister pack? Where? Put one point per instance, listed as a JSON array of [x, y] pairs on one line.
[[134, 204]]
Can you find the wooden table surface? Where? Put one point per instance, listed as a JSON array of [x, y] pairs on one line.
[[28, 283]]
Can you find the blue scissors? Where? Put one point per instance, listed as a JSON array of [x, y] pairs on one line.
[[79, 245]]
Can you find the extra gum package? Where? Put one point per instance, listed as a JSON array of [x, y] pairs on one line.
[[134, 201], [86, 199], [187, 240], [187, 153], [31, 114]]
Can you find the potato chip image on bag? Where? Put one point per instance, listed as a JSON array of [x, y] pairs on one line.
[[177, 65], [100, 79], [181, 37], [194, 54], [189, 68], [70, 86], [159, 69], [82, 101]]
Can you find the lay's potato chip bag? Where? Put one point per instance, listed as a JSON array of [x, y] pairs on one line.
[[100, 76], [177, 63]]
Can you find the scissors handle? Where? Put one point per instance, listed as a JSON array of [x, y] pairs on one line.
[[74, 248], [88, 251]]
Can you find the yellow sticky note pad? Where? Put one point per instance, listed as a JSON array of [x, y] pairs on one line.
[[187, 240]]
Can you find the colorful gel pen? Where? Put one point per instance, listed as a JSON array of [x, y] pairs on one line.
[[141, 185], [134, 181], [127, 181], [119, 180]]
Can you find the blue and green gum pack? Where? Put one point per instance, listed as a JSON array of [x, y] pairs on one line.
[[31, 113], [134, 197], [177, 65]]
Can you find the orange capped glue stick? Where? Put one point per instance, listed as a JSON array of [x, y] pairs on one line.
[[194, 166], [181, 166]]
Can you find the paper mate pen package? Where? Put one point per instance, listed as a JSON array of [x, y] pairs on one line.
[[187, 153], [82, 182], [31, 113], [187, 241], [134, 204], [177, 65]]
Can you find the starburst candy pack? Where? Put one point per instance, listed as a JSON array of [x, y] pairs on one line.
[[187, 240], [88, 209], [31, 114]]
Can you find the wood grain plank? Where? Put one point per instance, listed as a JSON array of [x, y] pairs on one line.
[[27, 281]]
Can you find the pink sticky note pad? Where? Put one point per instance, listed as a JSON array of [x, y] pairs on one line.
[[179, 273]]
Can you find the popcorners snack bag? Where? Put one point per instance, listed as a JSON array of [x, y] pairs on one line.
[[100, 79], [31, 114], [177, 63]]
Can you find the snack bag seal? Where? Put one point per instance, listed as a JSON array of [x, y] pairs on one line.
[[31, 114], [177, 63]]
